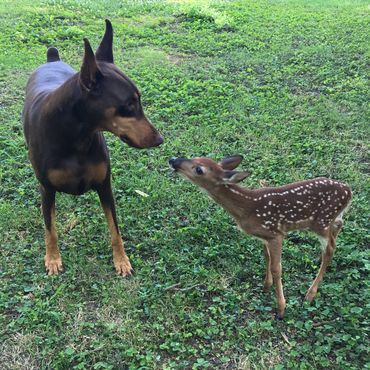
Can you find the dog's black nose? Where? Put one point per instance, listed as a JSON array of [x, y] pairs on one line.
[[158, 141]]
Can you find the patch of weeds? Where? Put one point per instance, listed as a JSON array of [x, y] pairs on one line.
[[283, 83]]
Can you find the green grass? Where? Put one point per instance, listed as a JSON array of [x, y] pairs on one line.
[[283, 83]]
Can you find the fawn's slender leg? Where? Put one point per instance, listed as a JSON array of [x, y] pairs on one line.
[[329, 245], [120, 259], [53, 260], [274, 247], [268, 279], [336, 227]]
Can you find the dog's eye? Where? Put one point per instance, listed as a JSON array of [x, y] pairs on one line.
[[127, 110], [199, 170]]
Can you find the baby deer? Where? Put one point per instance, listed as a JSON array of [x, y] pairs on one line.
[[269, 213]]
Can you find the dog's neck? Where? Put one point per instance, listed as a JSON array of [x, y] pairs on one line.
[[60, 101], [66, 115]]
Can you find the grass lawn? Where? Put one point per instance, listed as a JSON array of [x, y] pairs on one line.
[[282, 82]]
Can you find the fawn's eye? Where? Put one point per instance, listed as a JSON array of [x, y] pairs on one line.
[[199, 170]]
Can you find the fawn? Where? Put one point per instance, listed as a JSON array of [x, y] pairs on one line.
[[269, 213]]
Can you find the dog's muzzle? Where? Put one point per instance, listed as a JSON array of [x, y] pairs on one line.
[[156, 142]]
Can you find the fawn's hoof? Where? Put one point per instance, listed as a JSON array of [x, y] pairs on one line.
[[278, 317]]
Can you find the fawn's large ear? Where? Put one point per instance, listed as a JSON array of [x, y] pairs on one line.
[[229, 163], [233, 177], [105, 49], [90, 73]]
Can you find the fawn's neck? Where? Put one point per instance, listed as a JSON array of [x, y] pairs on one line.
[[232, 198]]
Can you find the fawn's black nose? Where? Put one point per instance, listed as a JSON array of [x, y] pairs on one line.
[[175, 162]]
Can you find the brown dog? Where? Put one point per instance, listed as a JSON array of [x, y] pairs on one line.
[[64, 115]]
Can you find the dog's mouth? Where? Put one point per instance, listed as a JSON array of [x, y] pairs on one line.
[[158, 141], [129, 142]]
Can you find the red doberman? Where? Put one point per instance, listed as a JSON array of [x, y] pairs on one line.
[[64, 116]]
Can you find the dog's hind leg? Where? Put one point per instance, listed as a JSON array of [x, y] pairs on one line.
[[53, 260], [120, 259]]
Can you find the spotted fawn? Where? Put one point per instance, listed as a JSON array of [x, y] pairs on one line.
[[269, 213]]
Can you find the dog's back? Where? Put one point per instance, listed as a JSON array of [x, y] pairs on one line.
[[45, 79]]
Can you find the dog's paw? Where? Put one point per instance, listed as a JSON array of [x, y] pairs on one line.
[[53, 265], [123, 266]]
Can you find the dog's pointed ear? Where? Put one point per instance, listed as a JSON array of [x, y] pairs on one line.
[[90, 73], [229, 163], [233, 177], [105, 49]]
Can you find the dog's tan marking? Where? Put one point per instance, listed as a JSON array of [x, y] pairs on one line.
[[60, 177], [139, 131], [53, 260], [97, 172], [92, 173], [120, 259]]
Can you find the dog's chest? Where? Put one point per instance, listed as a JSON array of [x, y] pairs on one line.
[[77, 178]]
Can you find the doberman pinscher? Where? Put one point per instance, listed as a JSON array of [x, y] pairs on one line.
[[64, 115]]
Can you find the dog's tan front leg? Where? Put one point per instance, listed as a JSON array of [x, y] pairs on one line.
[[53, 260], [120, 259]]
